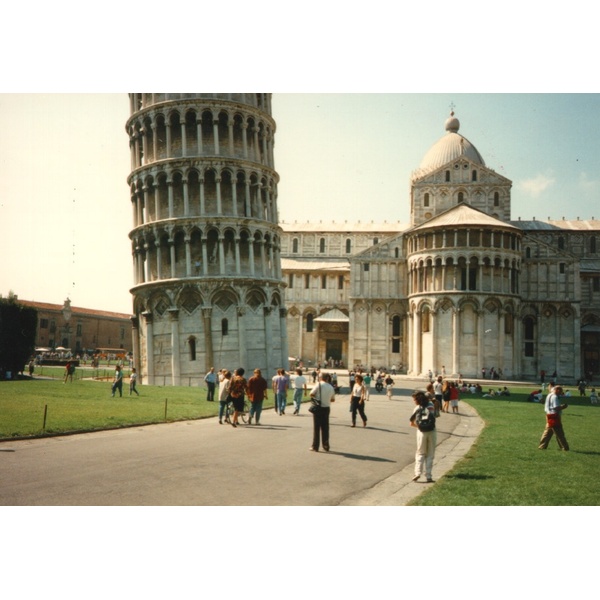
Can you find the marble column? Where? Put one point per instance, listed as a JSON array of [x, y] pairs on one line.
[[208, 341], [150, 378], [175, 356]]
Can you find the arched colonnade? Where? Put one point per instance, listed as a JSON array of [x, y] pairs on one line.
[[200, 129], [194, 251]]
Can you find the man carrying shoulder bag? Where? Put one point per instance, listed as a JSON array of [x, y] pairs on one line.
[[322, 395]]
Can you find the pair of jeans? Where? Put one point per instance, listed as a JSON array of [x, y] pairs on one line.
[[222, 406], [256, 410], [280, 402], [321, 428], [210, 394], [358, 406], [298, 398]]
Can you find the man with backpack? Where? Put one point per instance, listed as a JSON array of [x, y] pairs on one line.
[[423, 418]]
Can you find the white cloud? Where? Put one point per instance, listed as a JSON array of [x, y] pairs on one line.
[[537, 185]]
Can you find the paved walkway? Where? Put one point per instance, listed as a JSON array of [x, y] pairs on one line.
[[399, 489], [202, 463]]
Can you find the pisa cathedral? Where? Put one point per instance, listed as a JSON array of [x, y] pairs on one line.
[[461, 286], [219, 281]]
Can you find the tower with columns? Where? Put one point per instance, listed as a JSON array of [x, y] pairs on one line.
[[208, 288]]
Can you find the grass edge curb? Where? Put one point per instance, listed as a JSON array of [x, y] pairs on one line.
[[399, 490]]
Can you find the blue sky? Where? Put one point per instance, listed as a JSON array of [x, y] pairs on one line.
[[342, 151], [65, 160], [356, 152]]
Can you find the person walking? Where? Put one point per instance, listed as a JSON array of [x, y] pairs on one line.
[[118, 381], [280, 387], [553, 409], [423, 418], [431, 395], [446, 393], [389, 386], [357, 400], [225, 381], [437, 391], [367, 381], [238, 388], [322, 395], [257, 393], [299, 384], [133, 382], [69, 371], [334, 381], [211, 381], [454, 397]]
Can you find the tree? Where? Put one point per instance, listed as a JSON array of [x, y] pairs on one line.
[[18, 327]]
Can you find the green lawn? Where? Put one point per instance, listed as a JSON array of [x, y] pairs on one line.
[[505, 468], [88, 406]]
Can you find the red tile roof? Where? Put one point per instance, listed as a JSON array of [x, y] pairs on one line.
[[76, 310]]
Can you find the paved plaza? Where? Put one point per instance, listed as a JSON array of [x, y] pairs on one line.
[[202, 463]]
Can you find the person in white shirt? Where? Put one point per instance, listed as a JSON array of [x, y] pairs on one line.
[[437, 390], [423, 418], [357, 400], [322, 394], [553, 409], [299, 385]]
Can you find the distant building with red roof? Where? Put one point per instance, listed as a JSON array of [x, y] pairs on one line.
[[80, 329]]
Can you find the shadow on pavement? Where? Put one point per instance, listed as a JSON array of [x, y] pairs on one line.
[[359, 456]]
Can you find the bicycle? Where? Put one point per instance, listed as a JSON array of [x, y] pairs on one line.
[[229, 410]]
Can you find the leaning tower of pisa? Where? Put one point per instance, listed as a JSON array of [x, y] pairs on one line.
[[205, 241]]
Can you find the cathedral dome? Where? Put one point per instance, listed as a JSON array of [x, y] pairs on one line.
[[448, 148]]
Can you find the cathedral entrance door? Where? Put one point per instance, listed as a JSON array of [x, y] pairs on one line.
[[333, 349]]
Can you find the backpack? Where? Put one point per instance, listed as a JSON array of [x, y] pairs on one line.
[[425, 419]]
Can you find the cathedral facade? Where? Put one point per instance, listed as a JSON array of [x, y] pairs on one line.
[[208, 288], [462, 287]]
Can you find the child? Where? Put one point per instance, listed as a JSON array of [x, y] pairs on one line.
[[593, 396]]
